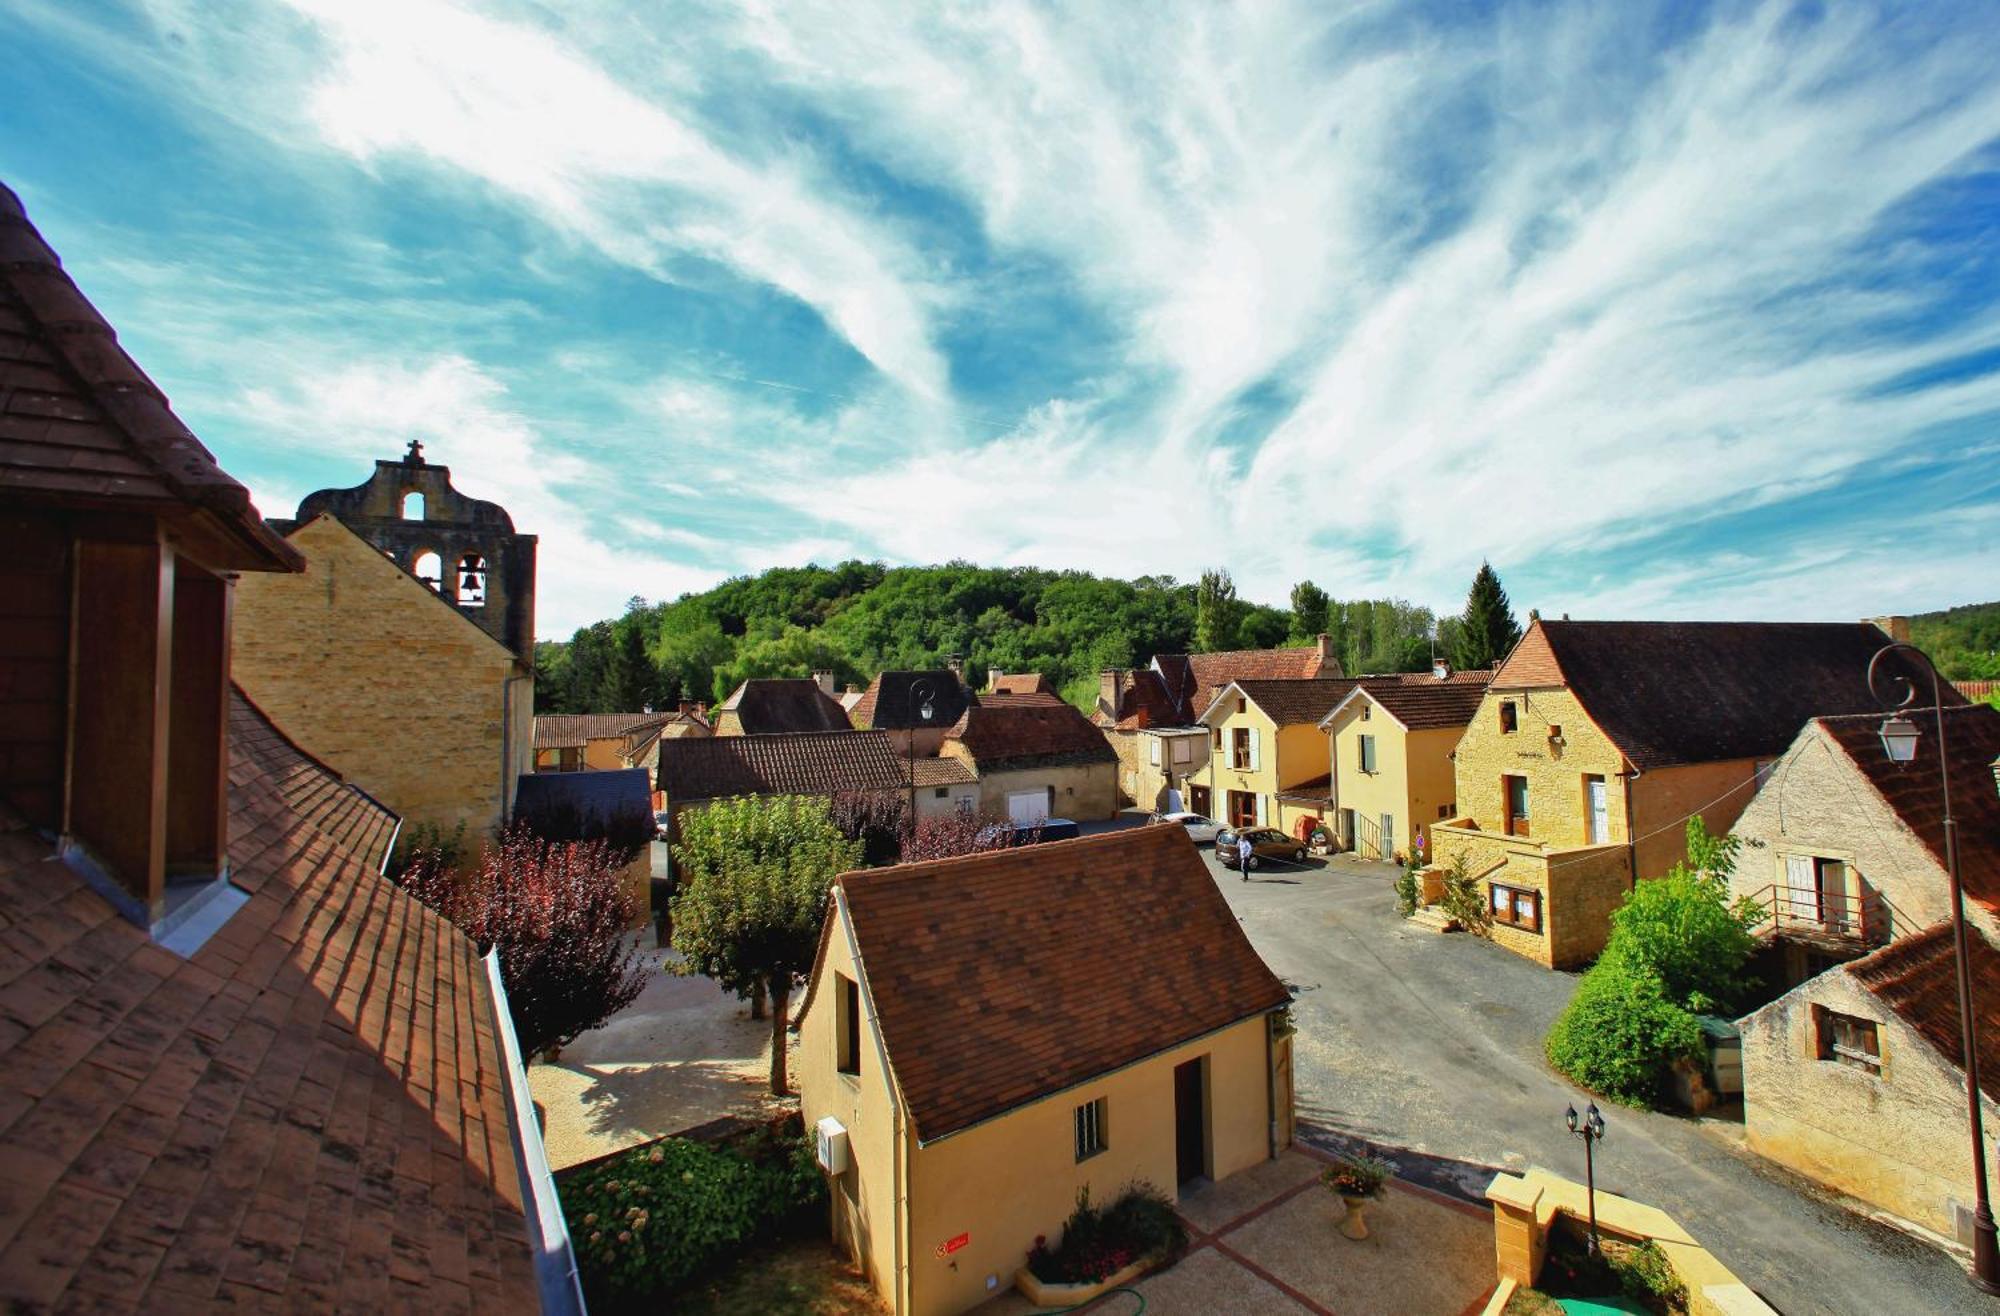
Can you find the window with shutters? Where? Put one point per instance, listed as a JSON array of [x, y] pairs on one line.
[[1366, 747], [1847, 1039], [1240, 752]]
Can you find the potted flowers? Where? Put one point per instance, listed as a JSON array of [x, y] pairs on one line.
[[1356, 1180]]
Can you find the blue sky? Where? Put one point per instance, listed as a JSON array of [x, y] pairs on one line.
[[1681, 312]]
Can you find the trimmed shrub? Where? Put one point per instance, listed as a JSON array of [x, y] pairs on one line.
[[1620, 1035], [644, 1222], [1141, 1223]]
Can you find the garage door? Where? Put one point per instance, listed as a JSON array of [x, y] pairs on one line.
[[1028, 808]]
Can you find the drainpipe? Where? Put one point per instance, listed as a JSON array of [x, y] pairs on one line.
[[1270, 1090], [507, 747], [1631, 833]]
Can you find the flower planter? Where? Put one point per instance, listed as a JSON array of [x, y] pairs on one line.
[[1355, 1223], [1074, 1295]]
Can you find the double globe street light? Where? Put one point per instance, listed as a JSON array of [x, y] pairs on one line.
[[1590, 1127]]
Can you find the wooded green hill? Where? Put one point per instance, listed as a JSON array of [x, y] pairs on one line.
[[861, 617], [1964, 642]]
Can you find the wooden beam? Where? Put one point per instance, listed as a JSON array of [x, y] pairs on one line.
[[197, 751]]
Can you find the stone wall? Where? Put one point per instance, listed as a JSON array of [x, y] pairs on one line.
[[1897, 1139], [397, 691], [1084, 792], [1555, 773]]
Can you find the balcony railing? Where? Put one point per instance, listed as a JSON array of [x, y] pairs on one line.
[[1826, 916]]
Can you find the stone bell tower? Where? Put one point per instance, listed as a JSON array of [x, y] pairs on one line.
[[464, 548]]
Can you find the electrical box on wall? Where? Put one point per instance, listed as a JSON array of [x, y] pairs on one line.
[[831, 1143]]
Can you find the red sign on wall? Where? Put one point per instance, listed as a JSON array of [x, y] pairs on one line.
[[952, 1245]]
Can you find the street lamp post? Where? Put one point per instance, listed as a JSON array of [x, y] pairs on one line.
[[1899, 741], [1590, 1127], [923, 705]]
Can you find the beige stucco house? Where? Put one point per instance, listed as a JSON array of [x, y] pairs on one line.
[[1392, 747], [1597, 741], [1034, 757], [1852, 1078], [329, 655], [1151, 716], [970, 1074], [1844, 848], [1268, 762]]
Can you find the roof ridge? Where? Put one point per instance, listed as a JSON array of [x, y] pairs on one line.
[[923, 867]]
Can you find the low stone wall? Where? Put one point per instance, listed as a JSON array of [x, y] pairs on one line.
[[1525, 1207]]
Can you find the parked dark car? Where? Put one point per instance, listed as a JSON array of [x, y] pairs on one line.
[[1012, 834], [1265, 843]]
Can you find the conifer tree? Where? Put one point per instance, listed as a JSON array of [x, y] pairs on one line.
[[1486, 629]]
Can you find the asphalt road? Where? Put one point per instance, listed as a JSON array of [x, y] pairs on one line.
[[1428, 1048]]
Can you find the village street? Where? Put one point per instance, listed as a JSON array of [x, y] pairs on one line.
[[1407, 1039]]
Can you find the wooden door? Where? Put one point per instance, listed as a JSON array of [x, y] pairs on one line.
[[1190, 1123]]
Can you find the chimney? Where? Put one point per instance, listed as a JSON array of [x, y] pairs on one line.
[[1440, 669], [993, 675], [1110, 686], [825, 682], [956, 664], [1896, 628]]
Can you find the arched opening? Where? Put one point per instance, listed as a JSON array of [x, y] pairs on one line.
[[413, 506], [427, 568], [472, 581]]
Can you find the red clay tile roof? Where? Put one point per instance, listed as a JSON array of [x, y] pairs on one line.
[[1917, 978], [343, 813], [308, 1113], [1421, 702], [81, 423], [769, 705], [888, 703], [1290, 703], [573, 730], [1006, 976], [1978, 689], [1144, 702], [695, 768], [1912, 789], [1022, 683], [1021, 731], [1670, 692], [941, 772]]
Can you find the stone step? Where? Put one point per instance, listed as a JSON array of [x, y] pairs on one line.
[[1434, 918]]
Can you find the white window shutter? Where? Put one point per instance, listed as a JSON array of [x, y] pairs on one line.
[[1254, 738], [1154, 741]]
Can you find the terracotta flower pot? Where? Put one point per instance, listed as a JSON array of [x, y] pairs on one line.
[[1355, 1223]]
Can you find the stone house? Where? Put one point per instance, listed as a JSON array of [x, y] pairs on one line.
[[1392, 747], [1852, 1078], [1148, 1051], [1597, 741], [598, 742], [915, 708], [1268, 764], [773, 706], [1035, 757], [944, 787], [397, 688], [239, 1067], [1844, 848], [1151, 716]]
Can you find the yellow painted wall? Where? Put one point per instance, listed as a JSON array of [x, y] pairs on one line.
[[396, 690], [1414, 775], [1897, 1139], [1005, 1182], [1286, 756], [863, 1210]]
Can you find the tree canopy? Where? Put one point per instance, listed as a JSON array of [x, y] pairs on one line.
[[1486, 630]]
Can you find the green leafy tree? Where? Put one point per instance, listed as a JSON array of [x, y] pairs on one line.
[[1218, 617], [1486, 629], [1309, 612], [1620, 1036], [754, 875]]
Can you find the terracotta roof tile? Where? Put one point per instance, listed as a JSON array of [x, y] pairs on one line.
[[1010, 975], [324, 1071], [1022, 683], [574, 730], [1018, 731], [1912, 790], [935, 772], [803, 763], [1917, 977], [1670, 692], [80, 421], [1421, 702]]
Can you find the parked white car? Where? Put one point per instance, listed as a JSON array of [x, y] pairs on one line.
[[1200, 830]]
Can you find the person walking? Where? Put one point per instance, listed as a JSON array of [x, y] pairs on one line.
[[1244, 853]]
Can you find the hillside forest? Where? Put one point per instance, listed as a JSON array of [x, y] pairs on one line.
[[859, 618]]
